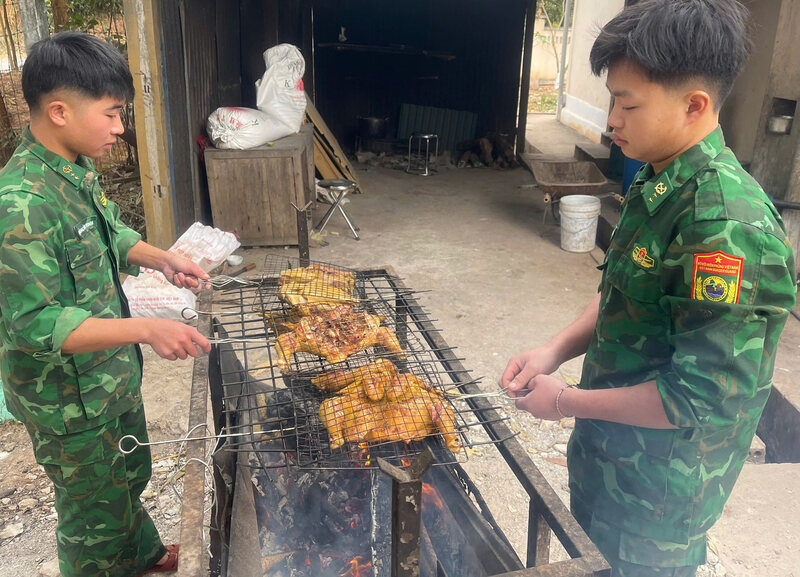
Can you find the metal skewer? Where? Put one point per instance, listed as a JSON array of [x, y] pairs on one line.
[[137, 443]]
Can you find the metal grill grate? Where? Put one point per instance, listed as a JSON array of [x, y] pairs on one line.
[[386, 396]]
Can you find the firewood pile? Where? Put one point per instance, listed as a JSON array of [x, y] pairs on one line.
[[495, 150]]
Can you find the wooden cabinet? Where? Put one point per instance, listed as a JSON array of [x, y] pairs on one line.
[[252, 191]]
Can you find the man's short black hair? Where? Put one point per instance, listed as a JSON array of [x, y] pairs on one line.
[[76, 61], [675, 40]]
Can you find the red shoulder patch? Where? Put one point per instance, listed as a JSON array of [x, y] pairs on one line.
[[717, 277]]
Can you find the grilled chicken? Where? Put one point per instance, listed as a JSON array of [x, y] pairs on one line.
[[409, 410], [316, 289], [372, 379], [335, 335]]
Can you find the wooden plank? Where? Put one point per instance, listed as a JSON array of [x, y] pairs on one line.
[[327, 152], [339, 156], [344, 170], [281, 189], [323, 162], [145, 58], [331, 158]]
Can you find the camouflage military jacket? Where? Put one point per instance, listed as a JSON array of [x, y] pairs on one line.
[[696, 287], [62, 246]]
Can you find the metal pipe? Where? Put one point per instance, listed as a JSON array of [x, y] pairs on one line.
[[563, 63], [780, 203]]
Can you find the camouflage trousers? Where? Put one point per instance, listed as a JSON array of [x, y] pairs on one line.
[[103, 529], [609, 547]]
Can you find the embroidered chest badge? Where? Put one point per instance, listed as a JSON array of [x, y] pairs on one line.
[[103, 199], [717, 277], [640, 257]]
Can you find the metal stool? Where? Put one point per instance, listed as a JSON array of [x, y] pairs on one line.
[[419, 154], [338, 189]]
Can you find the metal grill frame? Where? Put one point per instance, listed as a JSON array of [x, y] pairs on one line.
[[287, 404], [546, 511]]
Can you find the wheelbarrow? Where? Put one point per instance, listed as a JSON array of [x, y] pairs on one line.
[[562, 178]]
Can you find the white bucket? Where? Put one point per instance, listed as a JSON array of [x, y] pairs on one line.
[[579, 214]]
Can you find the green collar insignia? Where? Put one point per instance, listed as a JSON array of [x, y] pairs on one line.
[[76, 173], [659, 187], [656, 191]]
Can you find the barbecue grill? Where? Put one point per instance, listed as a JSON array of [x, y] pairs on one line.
[[287, 504]]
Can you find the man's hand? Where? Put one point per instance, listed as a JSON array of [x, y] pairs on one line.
[[541, 400], [183, 273], [522, 369], [173, 340]]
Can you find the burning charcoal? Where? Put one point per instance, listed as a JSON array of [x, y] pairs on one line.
[[303, 563], [316, 564], [357, 567], [332, 526]]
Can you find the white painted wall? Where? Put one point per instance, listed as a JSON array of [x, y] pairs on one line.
[[586, 99]]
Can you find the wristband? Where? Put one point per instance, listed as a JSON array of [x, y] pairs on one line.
[[558, 398]]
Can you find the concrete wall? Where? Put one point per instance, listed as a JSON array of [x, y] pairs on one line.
[[775, 154], [586, 97], [544, 65], [741, 113]]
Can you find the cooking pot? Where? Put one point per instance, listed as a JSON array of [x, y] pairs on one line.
[[372, 127]]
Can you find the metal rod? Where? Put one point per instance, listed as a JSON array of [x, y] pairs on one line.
[[563, 63], [353, 227], [136, 443]]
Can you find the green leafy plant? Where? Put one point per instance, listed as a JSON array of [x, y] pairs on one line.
[[98, 18]]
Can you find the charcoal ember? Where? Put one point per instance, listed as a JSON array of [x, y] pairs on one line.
[[333, 527], [320, 520], [303, 563]]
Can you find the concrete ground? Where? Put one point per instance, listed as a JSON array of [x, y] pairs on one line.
[[545, 135], [500, 284]]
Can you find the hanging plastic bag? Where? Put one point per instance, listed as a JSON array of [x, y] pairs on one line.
[[151, 295], [280, 93]]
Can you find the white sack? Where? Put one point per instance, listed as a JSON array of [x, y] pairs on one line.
[[280, 93], [240, 128]]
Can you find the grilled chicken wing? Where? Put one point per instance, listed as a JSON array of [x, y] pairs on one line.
[[335, 335], [408, 411]]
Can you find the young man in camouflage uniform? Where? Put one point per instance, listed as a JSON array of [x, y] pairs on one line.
[[71, 365], [697, 284]]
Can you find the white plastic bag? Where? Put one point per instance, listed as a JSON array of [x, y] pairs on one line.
[[151, 295], [280, 93], [239, 128]]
